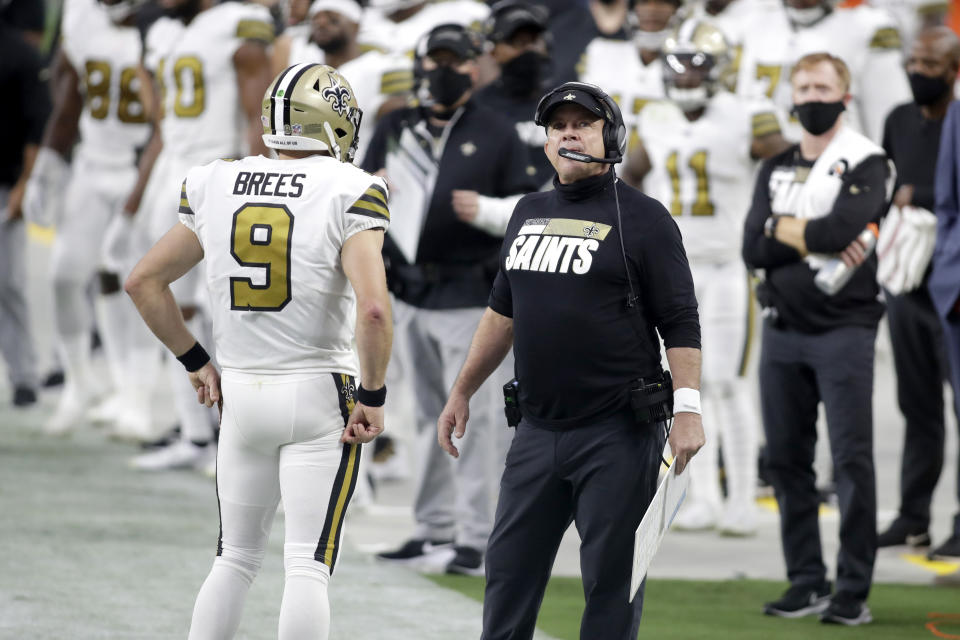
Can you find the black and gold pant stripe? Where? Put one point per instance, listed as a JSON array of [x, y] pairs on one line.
[[328, 548], [751, 328]]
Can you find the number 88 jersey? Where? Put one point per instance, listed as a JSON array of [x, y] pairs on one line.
[[113, 122], [194, 67], [702, 172], [272, 232]]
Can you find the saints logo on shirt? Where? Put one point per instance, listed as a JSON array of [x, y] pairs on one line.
[[556, 245]]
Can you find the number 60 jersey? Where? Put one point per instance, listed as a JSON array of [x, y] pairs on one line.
[[272, 231]]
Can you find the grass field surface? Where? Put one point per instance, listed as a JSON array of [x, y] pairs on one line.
[[688, 609]]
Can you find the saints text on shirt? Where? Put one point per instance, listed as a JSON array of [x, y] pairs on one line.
[[556, 245]]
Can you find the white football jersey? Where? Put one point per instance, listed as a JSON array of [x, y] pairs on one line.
[[909, 14], [374, 76], [734, 22], [379, 32], [272, 232], [702, 171], [863, 37], [113, 122], [615, 66], [202, 114]]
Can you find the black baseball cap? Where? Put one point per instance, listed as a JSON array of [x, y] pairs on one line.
[[508, 16], [580, 93], [452, 37]]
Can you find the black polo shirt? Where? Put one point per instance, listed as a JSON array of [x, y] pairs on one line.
[[563, 280]]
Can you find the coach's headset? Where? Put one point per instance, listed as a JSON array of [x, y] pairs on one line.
[[596, 101]]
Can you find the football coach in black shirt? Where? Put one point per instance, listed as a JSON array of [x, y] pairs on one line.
[[589, 272]]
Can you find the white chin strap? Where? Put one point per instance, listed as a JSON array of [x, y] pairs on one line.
[[689, 99], [806, 17], [650, 40]]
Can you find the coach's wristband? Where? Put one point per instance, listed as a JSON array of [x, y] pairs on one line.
[[194, 358], [372, 398], [686, 400]]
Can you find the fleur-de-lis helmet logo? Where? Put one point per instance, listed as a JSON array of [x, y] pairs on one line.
[[337, 95]]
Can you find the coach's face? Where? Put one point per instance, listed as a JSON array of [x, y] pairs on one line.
[[573, 127]]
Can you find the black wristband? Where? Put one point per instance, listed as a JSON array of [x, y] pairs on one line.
[[770, 227], [371, 398], [194, 358]]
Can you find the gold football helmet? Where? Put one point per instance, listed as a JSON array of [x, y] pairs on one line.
[[311, 107], [696, 63]]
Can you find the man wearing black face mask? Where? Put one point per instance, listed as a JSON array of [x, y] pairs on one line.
[[440, 269], [810, 204], [912, 140]]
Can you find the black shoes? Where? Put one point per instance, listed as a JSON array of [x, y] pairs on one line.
[[800, 600], [847, 610], [468, 562], [949, 550], [415, 550], [24, 396], [901, 532]]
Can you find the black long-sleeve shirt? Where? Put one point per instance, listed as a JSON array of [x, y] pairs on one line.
[[563, 281], [789, 284], [482, 154], [26, 102]]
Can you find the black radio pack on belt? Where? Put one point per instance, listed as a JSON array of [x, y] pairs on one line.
[[511, 402], [652, 399]]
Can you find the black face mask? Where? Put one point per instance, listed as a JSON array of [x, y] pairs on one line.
[[818, 117], [447, 85], [524, 74], [927, 89]]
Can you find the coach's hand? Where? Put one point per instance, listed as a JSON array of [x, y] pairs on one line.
[[365, 424], [453, 420], [206, 381], [466, 204], [686, 438]]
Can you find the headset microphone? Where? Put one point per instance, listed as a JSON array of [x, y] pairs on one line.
[[582, 157]]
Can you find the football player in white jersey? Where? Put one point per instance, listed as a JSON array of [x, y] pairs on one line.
[[97, 97], [398, 25], [382, 81], [866, 39], [912, 16], [630, 70], [211, 66], [292, 247], [733, 18], [700, 147]]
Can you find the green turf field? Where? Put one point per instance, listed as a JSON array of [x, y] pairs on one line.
[[694, 609]]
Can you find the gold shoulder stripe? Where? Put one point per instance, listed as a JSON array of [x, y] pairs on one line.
[[184, 202], [365, 207], [396, 82], [764, 124], [255, 30], [365, 47], [886, 38], [581, 67]]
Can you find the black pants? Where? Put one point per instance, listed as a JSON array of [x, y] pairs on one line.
[[797, 372], [920, 359], [603, 477]]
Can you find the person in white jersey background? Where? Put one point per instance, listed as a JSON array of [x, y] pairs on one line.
[[292, 250]]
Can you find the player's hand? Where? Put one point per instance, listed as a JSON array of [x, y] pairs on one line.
[[453, 419], [15, 202], [686, 438], [365, 424], [466, 204], [904, 196], [206, 381], [855, 254], [43, 196]]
